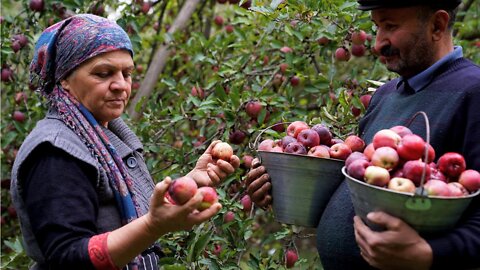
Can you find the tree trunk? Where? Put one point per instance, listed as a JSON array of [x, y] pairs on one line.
[[159, 60]]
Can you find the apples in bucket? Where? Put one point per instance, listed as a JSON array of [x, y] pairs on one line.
[[315, 141], [395, 160]]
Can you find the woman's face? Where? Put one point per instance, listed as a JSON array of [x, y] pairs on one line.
[[403, 40], [103, 84]]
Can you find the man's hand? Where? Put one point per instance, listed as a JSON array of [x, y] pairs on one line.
[[398, 247], [259, 185], [210, 172]]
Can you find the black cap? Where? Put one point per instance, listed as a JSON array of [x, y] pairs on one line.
[[375, 4]]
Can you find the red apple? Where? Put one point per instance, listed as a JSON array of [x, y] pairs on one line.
[[182, 189], [324, 133], [359, 37], [386, 137], [342, 54], [436, 174], [340, 151], [358, 50], [287, 140], [376, 176], [246, 203], [237, 137], [401, 184], [197, 92], [217, 249], [229, 28], [294, 81], [222, 150], [401, 130], [283, 67], [451, 164], [253, 108], [431, 154], [291, 257], [308, 138], [436, 188], [279, 127], [365, 99], [457, 189], [355, 143], [18, 116], [228, 217], [295, 148], [218, 20], [385, 157], [7, 74], [286, 49], [145, 7], [320, 151], [413, 169], [354, 156], [357, 168], [247, 161], [37, 5], [323, 41], [270, 146], [210, 197], [470, 179], [296, 127], [369, 150], [411, 147]]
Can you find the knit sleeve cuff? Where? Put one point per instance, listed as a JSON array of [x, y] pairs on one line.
[[98, 252]]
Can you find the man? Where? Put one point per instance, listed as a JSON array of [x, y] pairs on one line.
[[415, 40]]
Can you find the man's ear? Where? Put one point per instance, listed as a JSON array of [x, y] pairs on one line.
[[440, 24]]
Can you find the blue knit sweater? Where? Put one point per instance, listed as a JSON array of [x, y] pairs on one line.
[[452, 103]]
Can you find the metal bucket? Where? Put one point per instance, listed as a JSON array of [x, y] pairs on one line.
[[301, 185], [427, 215]]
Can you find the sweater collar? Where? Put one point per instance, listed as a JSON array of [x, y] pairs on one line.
[[424, 78]]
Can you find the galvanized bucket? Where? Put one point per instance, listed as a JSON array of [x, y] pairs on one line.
[[301, 185], [427, 215]]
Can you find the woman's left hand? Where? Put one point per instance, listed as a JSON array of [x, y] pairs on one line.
[[210, 172]]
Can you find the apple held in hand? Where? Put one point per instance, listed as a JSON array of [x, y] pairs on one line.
[[470, 179], [377, 176], [223, 151], [451, 164], [182, 189], [210, 197], [296, 127], [437, 188], [385, 157], [308, 138], [401, 184]]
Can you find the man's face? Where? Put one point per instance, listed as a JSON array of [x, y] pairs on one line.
[[403, 40]]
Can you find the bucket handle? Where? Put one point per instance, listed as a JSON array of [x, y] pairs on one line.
[[420, 201]]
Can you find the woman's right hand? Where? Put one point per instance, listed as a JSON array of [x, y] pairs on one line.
[[164, 217], [258, 184]]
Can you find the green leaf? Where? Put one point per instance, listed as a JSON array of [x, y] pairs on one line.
[[199, 245]]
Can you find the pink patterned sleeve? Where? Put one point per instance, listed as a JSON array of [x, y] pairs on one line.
[[98, 252]]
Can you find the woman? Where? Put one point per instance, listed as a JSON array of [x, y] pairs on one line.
[[80, 185]]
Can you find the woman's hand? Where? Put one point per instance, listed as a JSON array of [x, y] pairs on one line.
[[164, 217], [398, 247], [208, 172], [259, 185]]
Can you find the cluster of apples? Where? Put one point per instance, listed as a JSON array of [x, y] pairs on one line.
[[182, 189], [316, 141], [396, 160]]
